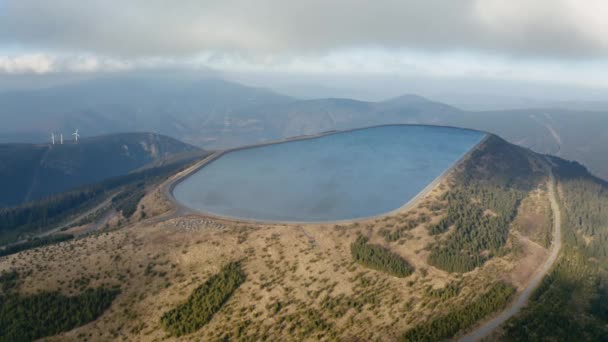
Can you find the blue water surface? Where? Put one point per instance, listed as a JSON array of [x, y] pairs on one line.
[[341, 176]]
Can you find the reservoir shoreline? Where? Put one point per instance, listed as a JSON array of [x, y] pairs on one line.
[[185, 209]]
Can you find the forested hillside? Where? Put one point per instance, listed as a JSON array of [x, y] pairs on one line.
[[572, 302], [24, 220], [482, 203], [26, 318], [29, 172]]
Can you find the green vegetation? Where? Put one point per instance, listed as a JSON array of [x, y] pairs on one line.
[[34, 243], [569, 305], [447, 326], [401, 230], [449, 291], [19, 165], [8, 281], [572, 302], [204, 302], [30, 217], [478, 234], [50, 313], [379, 258], [127, 201], [482, 204], [36, 216]]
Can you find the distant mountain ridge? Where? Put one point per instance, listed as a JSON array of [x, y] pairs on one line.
[[34, 171], [214, 113], [167, 105]]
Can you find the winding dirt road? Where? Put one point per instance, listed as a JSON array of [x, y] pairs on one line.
[[487, 327]]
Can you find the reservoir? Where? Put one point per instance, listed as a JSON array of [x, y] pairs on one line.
[[341, 176]]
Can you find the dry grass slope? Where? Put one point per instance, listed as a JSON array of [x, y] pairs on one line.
[[302, 282]]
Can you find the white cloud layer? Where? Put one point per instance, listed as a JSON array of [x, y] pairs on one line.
[[564, 40], [40, 63], [541, 28], [33, 63], [359, 61]]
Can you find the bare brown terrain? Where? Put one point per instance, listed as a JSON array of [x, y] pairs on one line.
[[301, 282]]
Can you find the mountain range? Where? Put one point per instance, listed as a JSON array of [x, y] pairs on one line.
[[212, 113]]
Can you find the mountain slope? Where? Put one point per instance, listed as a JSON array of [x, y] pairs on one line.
[[572, 302], [575, 135], [464, 250], [305, 117], [30, 171]]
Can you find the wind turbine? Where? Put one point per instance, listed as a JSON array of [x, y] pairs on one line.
[[61, 138], [53, 138], [76, 135]]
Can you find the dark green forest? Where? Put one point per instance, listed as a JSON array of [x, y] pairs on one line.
[[127, 201], [204, 302], [447, 326], [482, 204], [379, 258], [8, 281], [34, 217], [572, 302], [35, 243], [475, 231], [26, 318]]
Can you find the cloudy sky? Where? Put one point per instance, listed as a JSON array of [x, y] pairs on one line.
[[562, 41]]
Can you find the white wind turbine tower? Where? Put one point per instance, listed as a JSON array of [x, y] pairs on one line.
[[76, 135], [53, 138], [61, 138]]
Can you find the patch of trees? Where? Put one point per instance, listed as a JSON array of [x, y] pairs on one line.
[[127, 201], [379, 258], [449, 325], [204, 302], [586, 207], [572, 302], [481, 216], [49, 313], [400, 231], [449, 291], [35, 243], [483, 203], [38, 215], [440, 227], [32, 216], [8, 281]]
